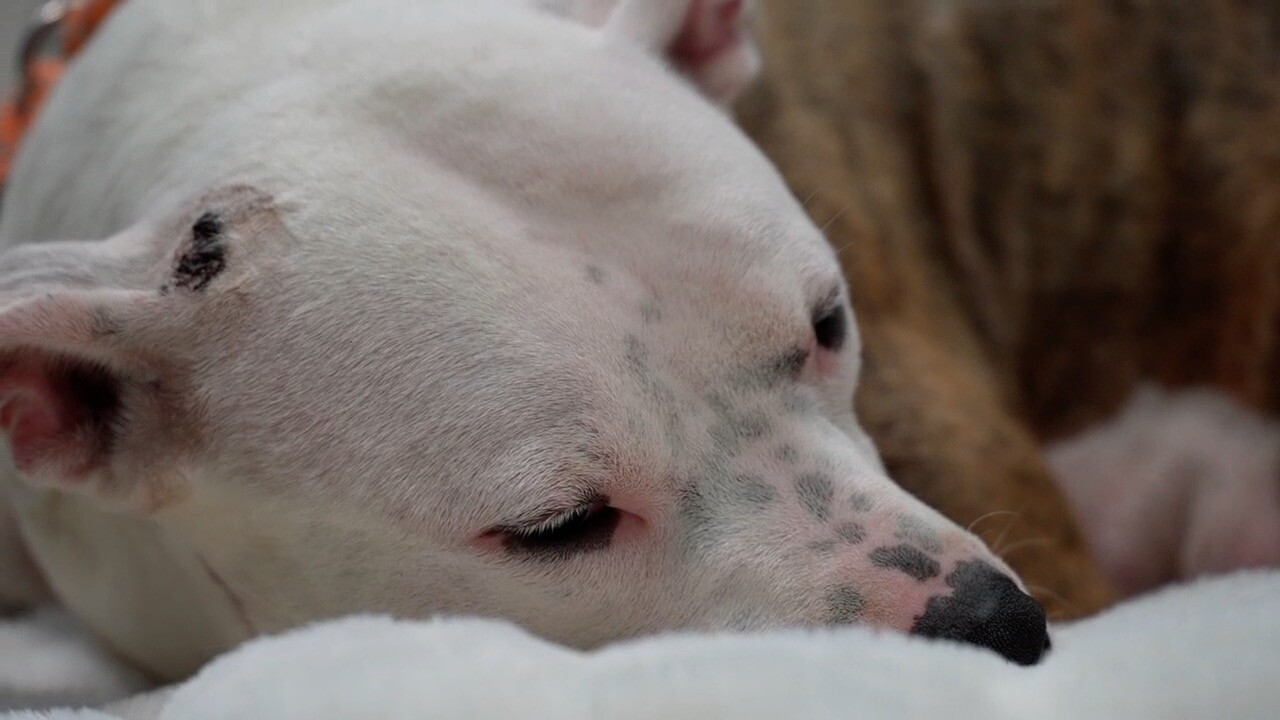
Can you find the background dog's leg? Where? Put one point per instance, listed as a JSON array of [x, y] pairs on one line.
[[1179, 484]]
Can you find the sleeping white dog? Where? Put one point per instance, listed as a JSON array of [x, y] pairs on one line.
[[475, 307]]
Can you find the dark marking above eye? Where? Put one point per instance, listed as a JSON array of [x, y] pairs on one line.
[[781, 368], [771, 372], [908, 559], [831, 327], [204, 259], [790, 364]]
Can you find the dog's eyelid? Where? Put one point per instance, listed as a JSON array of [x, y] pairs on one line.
[[587, 528], [556, 521], [550, 516]]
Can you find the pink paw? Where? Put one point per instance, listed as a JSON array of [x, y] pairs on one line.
[[1179, 484]]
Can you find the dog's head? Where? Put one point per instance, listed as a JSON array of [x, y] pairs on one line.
[[537, 334]]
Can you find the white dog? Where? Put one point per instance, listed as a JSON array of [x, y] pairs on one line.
[[463, 306]]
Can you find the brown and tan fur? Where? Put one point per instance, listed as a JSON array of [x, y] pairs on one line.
[[1038, 204]]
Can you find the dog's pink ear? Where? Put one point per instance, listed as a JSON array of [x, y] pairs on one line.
[[101, 342], [80, 395], [709, 41]]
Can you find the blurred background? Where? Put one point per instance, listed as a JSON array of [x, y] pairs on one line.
[[15, 18]]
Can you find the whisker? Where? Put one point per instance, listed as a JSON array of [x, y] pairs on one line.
[[840, 250], [1005, 532], [1037, 590], [1004, 552], [834, 218], [812, 195], [993, 513]]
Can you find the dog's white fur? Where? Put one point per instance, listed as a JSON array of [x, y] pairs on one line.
[[1207, 650], [482, 259]]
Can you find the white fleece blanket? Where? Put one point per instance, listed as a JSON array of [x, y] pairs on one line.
[[1207, 650]]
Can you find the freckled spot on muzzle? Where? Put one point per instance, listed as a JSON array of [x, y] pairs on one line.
[[823, 547], [711, 502], [845, 606], [908, 559], [851, 532], [751, 491], [861, 502], [816, 492], [698, 518], [915, 531]]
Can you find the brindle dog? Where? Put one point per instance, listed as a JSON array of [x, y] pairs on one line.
[[1038, 205]]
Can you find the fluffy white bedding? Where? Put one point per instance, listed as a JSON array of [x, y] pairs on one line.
[[1207, 650]]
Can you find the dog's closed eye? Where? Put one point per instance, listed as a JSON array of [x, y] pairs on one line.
[[586, 528]]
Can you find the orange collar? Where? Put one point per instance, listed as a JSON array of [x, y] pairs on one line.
[[63, 29]]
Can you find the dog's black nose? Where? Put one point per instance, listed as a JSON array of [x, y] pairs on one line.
[[987, 609]]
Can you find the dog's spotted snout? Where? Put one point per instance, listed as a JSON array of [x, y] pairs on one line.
[[987, 609]]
